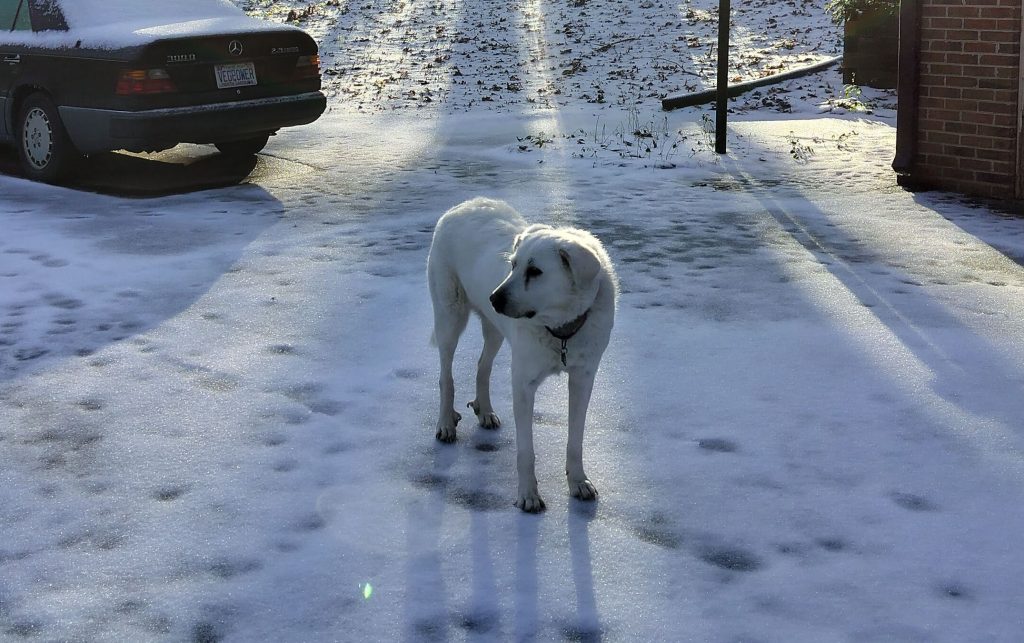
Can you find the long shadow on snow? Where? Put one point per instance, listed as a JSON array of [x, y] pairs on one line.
[[70, 313], [916, 319]]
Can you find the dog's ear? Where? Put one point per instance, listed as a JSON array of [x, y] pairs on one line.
[[581, 263]]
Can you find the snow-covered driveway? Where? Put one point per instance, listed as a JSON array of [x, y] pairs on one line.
[[216, 409]]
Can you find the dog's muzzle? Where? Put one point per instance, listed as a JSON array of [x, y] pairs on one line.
[[499, 301]]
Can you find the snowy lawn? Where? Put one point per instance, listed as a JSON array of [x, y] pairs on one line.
[[216, 409]]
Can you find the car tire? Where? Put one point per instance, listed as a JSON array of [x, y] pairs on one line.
[[243, 147], [45, 151]]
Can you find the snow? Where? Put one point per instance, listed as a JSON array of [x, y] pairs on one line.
[[98, 13], [217, 408]]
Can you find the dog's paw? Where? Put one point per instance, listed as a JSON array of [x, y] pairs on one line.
[[531, 502], [446, 429], [488, 420], [582, 489]]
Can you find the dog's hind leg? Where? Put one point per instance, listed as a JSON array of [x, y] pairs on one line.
[[451, 312], [485, 414]]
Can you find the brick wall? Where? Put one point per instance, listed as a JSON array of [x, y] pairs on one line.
[[968, 100]]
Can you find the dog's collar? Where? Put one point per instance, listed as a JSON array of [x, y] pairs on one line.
[[565, 332]]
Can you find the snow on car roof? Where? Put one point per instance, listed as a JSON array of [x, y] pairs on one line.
[[84, 14], [112, 24]]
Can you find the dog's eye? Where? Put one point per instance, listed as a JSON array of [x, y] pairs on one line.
[[533, 272]]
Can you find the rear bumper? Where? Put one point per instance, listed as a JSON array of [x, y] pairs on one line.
[[100, 130]]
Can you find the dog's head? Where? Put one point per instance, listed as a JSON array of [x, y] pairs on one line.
[[552, 278]]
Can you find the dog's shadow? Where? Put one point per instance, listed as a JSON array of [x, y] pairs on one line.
[[587, 624], [432, 617], [588, 620]]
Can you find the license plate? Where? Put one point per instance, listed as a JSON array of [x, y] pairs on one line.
[[235, 75]]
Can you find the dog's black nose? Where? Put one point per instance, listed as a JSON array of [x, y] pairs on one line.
[[498, 301]]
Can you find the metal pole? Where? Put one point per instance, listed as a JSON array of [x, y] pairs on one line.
[[722, 105]]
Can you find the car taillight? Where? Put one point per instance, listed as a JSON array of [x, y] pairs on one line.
[[308, 66], [144, 81]]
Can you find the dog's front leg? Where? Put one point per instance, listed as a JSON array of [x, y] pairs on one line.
[[524, 392], [581, 383]]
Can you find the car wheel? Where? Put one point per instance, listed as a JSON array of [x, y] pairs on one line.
[[244, 147], [44, 149]]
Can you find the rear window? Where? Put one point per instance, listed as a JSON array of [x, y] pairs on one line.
[[14, 15], [46, 15]]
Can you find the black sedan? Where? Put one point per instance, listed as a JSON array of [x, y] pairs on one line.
[[79, 77]]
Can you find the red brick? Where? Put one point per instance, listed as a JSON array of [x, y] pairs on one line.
[[981, 47], [963, 12], [981, 71], [992, 155], [945, 45], [961, 128], [931, 126], [1004, 13], [999, 36], [943, 23], [963, 59], [942, 138], [1000, 60], [959, 151], [982, 94], [978, 118], [974, 165], [942, 114], [945, 70], [998, 83], [1007, 121], [1004, 180], [932, 101], [965, 34], [941, 160], [1001, 95], [941, 92], [933, 11], [961, 81], [1003, 167], [980, 143], [996, 108], [996, 130], [988, 23]]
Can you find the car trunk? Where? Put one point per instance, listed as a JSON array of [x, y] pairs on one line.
[[222, 68]]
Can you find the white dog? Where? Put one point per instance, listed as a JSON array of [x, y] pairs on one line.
[[551, 292]]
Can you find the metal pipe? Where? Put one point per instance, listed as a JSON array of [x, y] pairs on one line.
[[722, 108]]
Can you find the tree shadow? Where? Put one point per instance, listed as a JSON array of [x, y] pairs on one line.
[[85, 271], [966, 372]]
